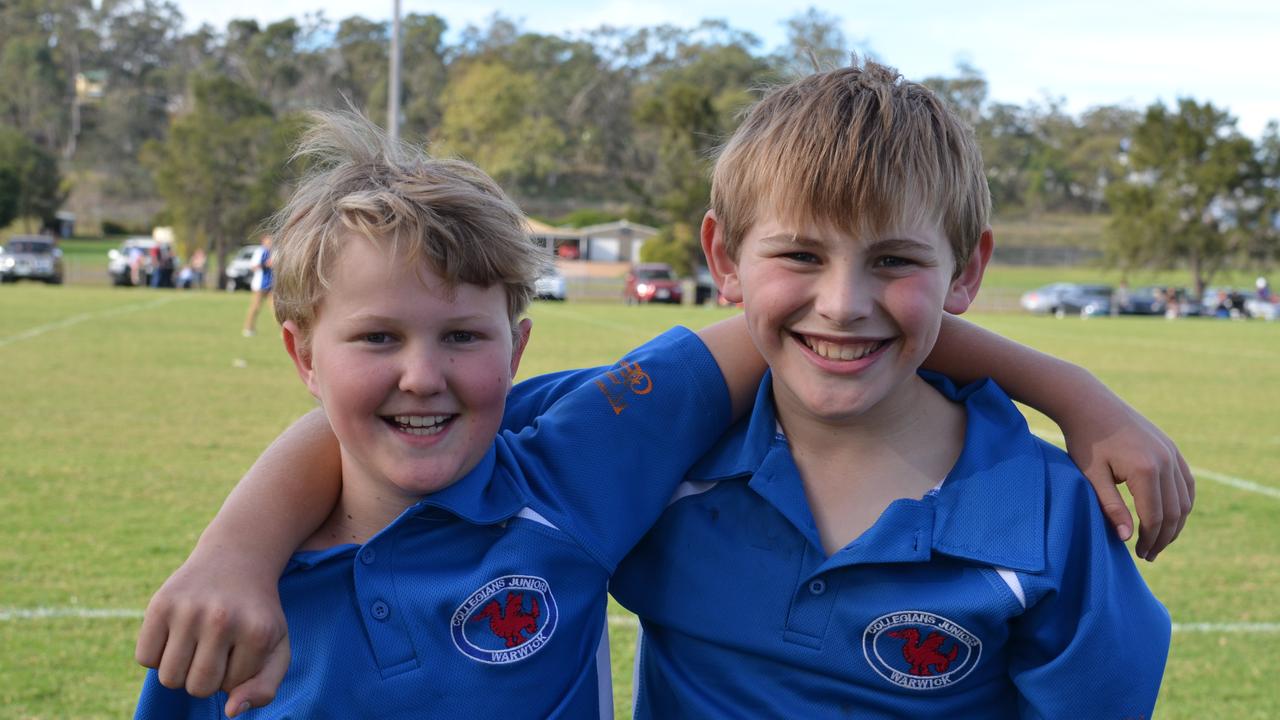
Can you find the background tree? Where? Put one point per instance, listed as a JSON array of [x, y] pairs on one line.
[[221, 168], [30, 183], [1184, 198]]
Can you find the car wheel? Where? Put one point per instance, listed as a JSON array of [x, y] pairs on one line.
[[1059, 312]]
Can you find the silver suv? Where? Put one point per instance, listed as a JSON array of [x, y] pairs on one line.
[[31, 257]]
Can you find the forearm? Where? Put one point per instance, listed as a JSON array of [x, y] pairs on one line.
[[738, 358], [280, 502], [965, 352]]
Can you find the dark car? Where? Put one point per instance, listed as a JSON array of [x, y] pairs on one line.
[[652, 282], [1046, 299], [1141, 301], [1085, 301], [31, 257]]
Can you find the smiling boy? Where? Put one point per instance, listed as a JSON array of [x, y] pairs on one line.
[[875, 542], [462, 569]]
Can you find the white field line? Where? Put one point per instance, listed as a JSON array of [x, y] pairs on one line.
[[1220, 478], [619, 621], [82, 317]]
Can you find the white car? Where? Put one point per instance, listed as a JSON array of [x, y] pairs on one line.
[[550, 286], [120, 259], [240, 269]]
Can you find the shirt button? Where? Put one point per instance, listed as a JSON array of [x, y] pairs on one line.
[[817, 587], [367, 556], [380, 610]]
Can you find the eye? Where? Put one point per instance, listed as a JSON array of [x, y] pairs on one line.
[[376, 338], [894, 261], [460, 336], [802, 257]]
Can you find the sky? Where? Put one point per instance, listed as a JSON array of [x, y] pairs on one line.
[[1085, 53]]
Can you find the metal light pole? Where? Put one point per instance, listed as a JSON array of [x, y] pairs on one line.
[[393, 82]]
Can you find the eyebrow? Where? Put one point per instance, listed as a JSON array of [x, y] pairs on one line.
[[889, 244]]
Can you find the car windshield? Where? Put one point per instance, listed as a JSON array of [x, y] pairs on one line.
[[653, 274], [1095, 289], [29, 246]]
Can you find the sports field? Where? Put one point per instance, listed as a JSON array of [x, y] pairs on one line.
[[126, 415]]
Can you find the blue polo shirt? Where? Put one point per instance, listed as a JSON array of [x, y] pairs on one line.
[[1001, 593], [488, 599]]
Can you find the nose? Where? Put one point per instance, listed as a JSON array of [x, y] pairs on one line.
[[421, 372], [844, 295]]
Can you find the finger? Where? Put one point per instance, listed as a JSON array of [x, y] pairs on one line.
[[1172, 503], [208, 666], [176, 658], [1186, 493], [1189, 480], [260, 689], [151, 639], [1148, 499], [249, 654], [1113, 507]]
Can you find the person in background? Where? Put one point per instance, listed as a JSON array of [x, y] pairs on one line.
[[260, 285]]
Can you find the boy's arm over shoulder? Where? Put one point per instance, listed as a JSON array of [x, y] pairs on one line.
[[604, 460], [1110, 441], [217, 621], [1093, 640]]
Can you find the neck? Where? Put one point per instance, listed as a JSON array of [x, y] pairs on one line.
[[364, 508], [852, 469]]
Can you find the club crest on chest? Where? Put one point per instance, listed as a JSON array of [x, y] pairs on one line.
[[506, 620], [919, 650]]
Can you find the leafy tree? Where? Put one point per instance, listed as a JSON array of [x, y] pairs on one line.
[[492, 118], [221, 168], [1185, 199], [30, 184], [815, 42], [676, 245]]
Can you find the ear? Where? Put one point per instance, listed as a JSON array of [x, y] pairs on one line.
[[724, 269], [521, 342], [965, 287], [295, 344]]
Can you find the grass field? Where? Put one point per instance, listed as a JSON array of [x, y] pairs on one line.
[[126, 415]]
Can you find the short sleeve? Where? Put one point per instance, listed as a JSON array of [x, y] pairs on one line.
[[1094, 641], [533, 397], [604, 459]]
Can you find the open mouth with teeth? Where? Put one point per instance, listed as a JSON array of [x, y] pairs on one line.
[[840, 351], [419, 424]]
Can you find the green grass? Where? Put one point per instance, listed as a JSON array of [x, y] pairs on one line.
[[128, 414]]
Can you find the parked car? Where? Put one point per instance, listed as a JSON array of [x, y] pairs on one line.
[[31, 257], [550, 286], [240, 269], [1062, 299], [1143, 301], [1046, 299], [705, 289], [1085, 301], [119, 261], [652, 282], [1264, 309]]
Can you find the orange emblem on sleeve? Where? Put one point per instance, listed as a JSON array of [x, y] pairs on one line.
[[627, 378]]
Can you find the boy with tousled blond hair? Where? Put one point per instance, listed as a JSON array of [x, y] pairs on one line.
[[214, 623], [874, 542], [461, 568]]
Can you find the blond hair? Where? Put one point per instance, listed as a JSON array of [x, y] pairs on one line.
[[858, 148], [445, 213]]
